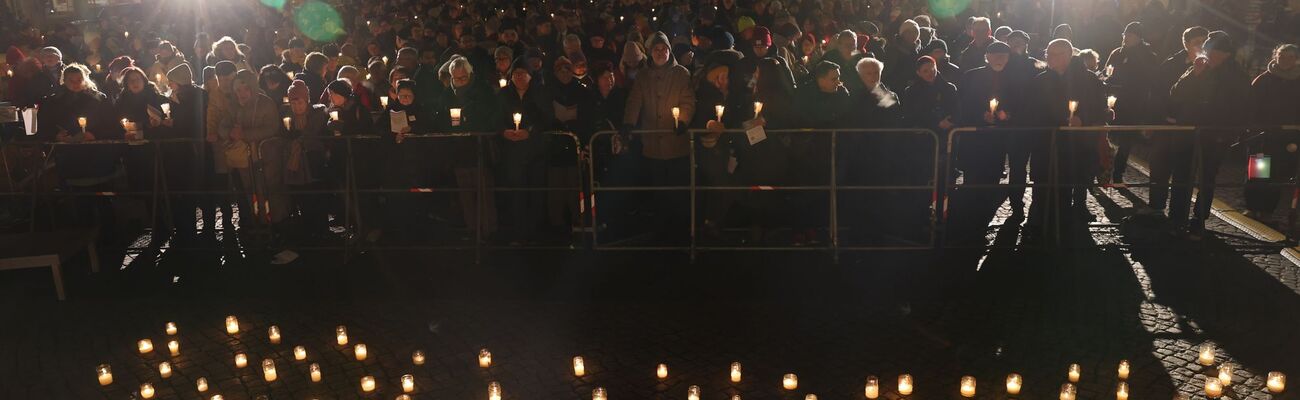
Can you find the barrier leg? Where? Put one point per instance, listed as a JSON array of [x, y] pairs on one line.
[[834, 212], [691, 171], [591, 194], [1053, 227], [479, 199]]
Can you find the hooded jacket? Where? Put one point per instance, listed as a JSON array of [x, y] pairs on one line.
[[657, 89]]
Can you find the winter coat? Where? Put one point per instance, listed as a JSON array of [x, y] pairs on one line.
[[925, 104], [1276, 95], [536, 115], [1131, 82], [160, 69], [1162, 107], [59, 113], [307, 158], [480, 113], [656, 90], [1218, 97]]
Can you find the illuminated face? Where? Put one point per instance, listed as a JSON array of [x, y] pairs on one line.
[[74, 81], [135, 83], [299, 105], [244, 93], [1194, 45], [337, 100], [606, 81], [830, 82], [520, 77], [659, 52], [1058, 56], [927, 72], [459, 78], [870, 75], [406, 97], [997, 61]]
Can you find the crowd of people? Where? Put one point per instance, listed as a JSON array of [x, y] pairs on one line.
[[263, 113]]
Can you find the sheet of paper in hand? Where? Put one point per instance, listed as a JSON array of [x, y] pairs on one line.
[[398, 120], [29, 120], [754, 132]]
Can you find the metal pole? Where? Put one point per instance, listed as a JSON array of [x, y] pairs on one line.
[[479, 199], [690, 136], [1053, 228], [591, 179], [834, 214]]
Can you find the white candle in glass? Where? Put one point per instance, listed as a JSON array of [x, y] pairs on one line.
[[232, 325], [146, 390], [455, 116], [905, 384], [360, 351], [872, 389], [1014, 382], [1276, 382], [300, 353], [1068, 391], [1123, 369], [494, 391], [718, 109], [501, 82], [217, 397], [1213, 388], [1206, 356], [314, 371], [383, 101], [790, 381], [145, 346], [484, 358], [273, 334], [1225, 374], [599, 394], [367, 383], [241, 360], [268, 370], [579, 366], [201, 384], [170, 328], [735, 372], [693, 393], [417, 357], [341, 334], [105, 374], [810, 396], [1074, 373], [408, 383], [968, 386], [174, 347], [1121, 391], [661, 371]]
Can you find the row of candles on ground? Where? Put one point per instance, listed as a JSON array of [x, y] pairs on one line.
[[1214, 385]]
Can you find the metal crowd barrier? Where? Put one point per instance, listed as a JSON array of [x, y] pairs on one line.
[[833, 188], [1053, 136]]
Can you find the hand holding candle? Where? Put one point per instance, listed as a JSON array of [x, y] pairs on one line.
[[993, 105], [501, 82], [105, 374], [758, 108], [455, 116], [1110, 102], [967, 386], [718, 109], [518, 118], [677, 116]]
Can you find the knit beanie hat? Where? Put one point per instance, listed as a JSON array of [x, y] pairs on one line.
[[299, 90]]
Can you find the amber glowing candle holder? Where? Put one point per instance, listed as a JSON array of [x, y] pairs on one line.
[[145, 346], [967, 386], [299, 353], [735, 372], [268, 370], [1123, 369], [341, 335], [661, 371], [599, 394], [241, 360], [408, 383], [417, 357], [201, 384], [1014, 383], [790, 381], [313, 371], [904, 384], [165, 369], [579, 366], [494, 391], [105, 374], [170, 328], [367, 384], [360, 351], [484, 358], [1276, 382], [232, 325], [693, 393], [273, 334], [872, 389], [146, 390]]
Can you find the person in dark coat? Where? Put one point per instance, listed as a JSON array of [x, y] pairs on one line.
[[404, 160], [1213, 92], [931, 101], [274, 82], [140, 105], [313, 75], [1276, 94], [523, 149], [479, 113], [825, 104], [979, 156], [567, 93], [1171, 152], [83, 168], [713, 150], [308, 163], [1021, 69], [1134, 65], [938, 50], [186, 163], [972, 56]]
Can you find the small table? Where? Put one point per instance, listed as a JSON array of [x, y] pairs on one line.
[[48, 249]]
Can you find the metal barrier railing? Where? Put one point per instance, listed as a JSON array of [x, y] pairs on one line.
[[832, 188]]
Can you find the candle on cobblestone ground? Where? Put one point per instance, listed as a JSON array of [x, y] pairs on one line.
[[1074, 373], [1068, 391], [1213, 388], [241, 360], [599, 394], [314, 370], [146, 390], [905, 384], [268, 370], [105, 374], [174, 347], [232, 325], [360, 351], [145, 346], [484, 358], [735, 397], [579, 366], [1276, 382], [417, 357], [494, 391], [662, 371], [170, 328], [693, 393], [1123, 369], [735, 372], [403, 397], [1225, 374], [810, 396], [408, 383], [790, 382], [872, 389], [300, 353], [1121, 391], [341, 334], [201, 384], [165, 369], [217, 397], [1014, 381], [1206, 357], [968, 386], [367, 383]]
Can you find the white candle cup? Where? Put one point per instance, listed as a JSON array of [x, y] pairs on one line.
[[1276, 382], [693, 393], [341, 335], [968, 386], [81, 121], [484, 358], [790, 381], [1225, 374], [174, 347], [661, 371], [993, 105], [105, 374], [288, 123], [217, 397], [872, 388], [1068, 392], [1014, 383], [579, 366], [146, 390], [735, 372], [1206, 354], [166, 109], [367, 383], [758, 108], [718, 109], [241, 360], [268, 370], [1121, 391], [145, 346], [1074, 373], [501, 82], [518, 118], [417, 357], [232, 325], [599, 394], [455, 116], [1123, 369], [299, 353], [273, 334], [1213, 388], [904, 384], [360, 351], [383, 101], [1110, 102], [408, 383], [334, 115], [201, 384], [170, 328], [810, 396], [494, 391], [314, 371]]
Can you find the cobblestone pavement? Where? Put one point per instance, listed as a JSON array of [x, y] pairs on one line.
[[1117, 290]]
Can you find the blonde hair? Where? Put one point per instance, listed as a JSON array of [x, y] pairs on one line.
[[80, 69], [226, 41]]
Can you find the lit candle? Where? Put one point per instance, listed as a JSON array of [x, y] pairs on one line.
[[1121, 391], [360, 351], [790, 381], [872, 389], [810, 396], [285, 100], [677, 115], [993, 105], [1014, 382], [126, 125], [417, 357], [408, 383], [334, 115], [126, 34], [735, 372], [1213, 387], [146, 390], [81, 121], [273, 333], [217, 397], [1276, 382], [1074, 106], [174, 347], [455, 116], [367, 76], [501, 82], [904, 384], [170, 328], [299, 353], [288, 123], [145, 346], [484, 358], [718, 109], [1225, 374], [232, 325], [518, 118], [201, 384], [693, 393], [385, 60], [1068, 392], [403, 397], [268, 370], [341, 333], [157, 78], [599, 394], [662, 371], [167, 111], [367, 383], [494, 391], [1207, 354], [758, 107], [383, 101], [1074, 373], [1110, 102], [314, 370], [241, 360], [968, 386], [105, 374], [99, 68], [579, 367], [1123, 369]]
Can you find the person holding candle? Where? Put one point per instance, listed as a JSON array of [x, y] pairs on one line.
[[314, 75], [140, 104], [979, 157], [1021, 69], [1171, 152], [405, 163], [1276, 93], [307, 163], [567, 93], [274, 82], [479, 114], [83, 168], [714, 151], [883, 159], [255, 118], [1213, 92], [366, 99], [1134, 65], [166, 58], [523, 148]]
